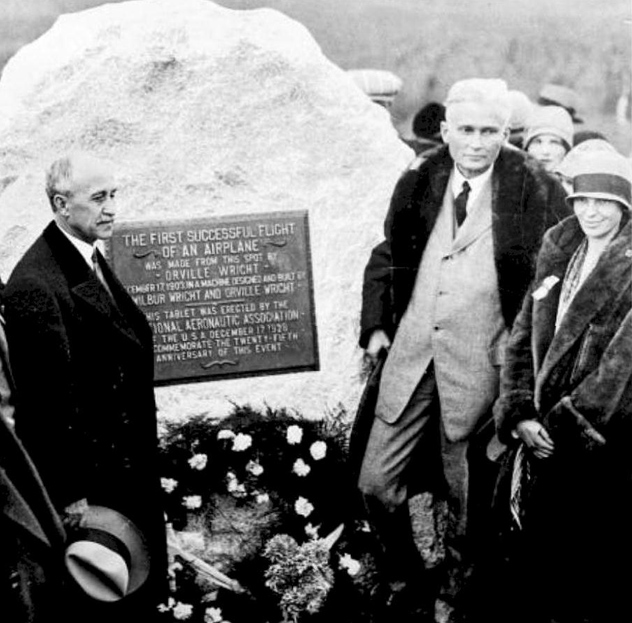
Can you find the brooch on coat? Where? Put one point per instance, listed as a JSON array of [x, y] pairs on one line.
[[545, 287]]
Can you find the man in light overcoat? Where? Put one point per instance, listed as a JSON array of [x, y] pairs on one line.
[[440, 295]]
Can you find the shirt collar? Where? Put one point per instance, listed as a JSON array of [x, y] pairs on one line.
[[476, 183], [84, 248]]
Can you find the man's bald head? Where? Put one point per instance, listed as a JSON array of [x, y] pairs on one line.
[[66, 174], [81, 189]]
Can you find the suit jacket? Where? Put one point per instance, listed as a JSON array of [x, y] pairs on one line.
[[31, 534], [526, 201], [83, 366]]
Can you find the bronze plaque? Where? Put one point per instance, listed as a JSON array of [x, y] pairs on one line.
[[225, 297]]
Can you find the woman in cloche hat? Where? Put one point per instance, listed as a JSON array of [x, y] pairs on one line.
[[565, 411], [549, 135]]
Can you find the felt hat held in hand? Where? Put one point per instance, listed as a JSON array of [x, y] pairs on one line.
[[107, 555]]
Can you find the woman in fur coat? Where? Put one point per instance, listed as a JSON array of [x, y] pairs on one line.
[[565, 408]]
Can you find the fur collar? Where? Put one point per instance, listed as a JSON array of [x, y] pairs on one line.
[[610, 279], [521, 194]]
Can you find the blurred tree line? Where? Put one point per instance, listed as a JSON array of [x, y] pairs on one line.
[[431, 43]]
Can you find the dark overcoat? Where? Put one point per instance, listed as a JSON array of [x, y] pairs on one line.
[[31, 539], [526, 201], [83, 366], [578, 382]]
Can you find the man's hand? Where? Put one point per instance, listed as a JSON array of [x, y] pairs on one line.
[[536, 437], [378, 342]]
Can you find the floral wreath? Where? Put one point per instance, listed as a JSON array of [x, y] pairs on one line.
[[263, 520]]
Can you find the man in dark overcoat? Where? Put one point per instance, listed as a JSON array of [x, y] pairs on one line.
[[440, 295], [32, 537], [83, 365]]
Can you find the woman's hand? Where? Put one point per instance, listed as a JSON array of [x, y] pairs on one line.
[[536, 437]]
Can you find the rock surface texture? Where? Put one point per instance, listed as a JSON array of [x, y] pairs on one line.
[[210, 112]]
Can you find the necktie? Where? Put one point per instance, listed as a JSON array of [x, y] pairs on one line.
[[98, 272], [460, 203]]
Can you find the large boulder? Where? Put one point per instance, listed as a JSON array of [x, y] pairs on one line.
[[210, 112]]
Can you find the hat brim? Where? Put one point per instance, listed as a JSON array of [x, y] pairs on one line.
[[117, 525], [553, 132], [599, 195]]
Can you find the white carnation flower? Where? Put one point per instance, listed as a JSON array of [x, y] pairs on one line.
[[198, 461], [294, 434], [192, 501], [225, 434], [168, 484], [213, 615], [262, 498], [318, 450], [241, 442], [256, 469], [182, 611], [301, 468], [303, 507], [234, 486], [351, 565], [311, 531]]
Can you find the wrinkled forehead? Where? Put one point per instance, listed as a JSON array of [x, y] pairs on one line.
[[477, 114]]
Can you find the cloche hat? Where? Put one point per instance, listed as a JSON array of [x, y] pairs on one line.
[[603, 175], [550, 120]]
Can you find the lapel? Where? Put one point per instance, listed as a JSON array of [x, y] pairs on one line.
[[428, 197], [16, 509], [86, 287], [515, 228], [477, 222], [508, 179], [507, 184], [4, 352], [605, 283]]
